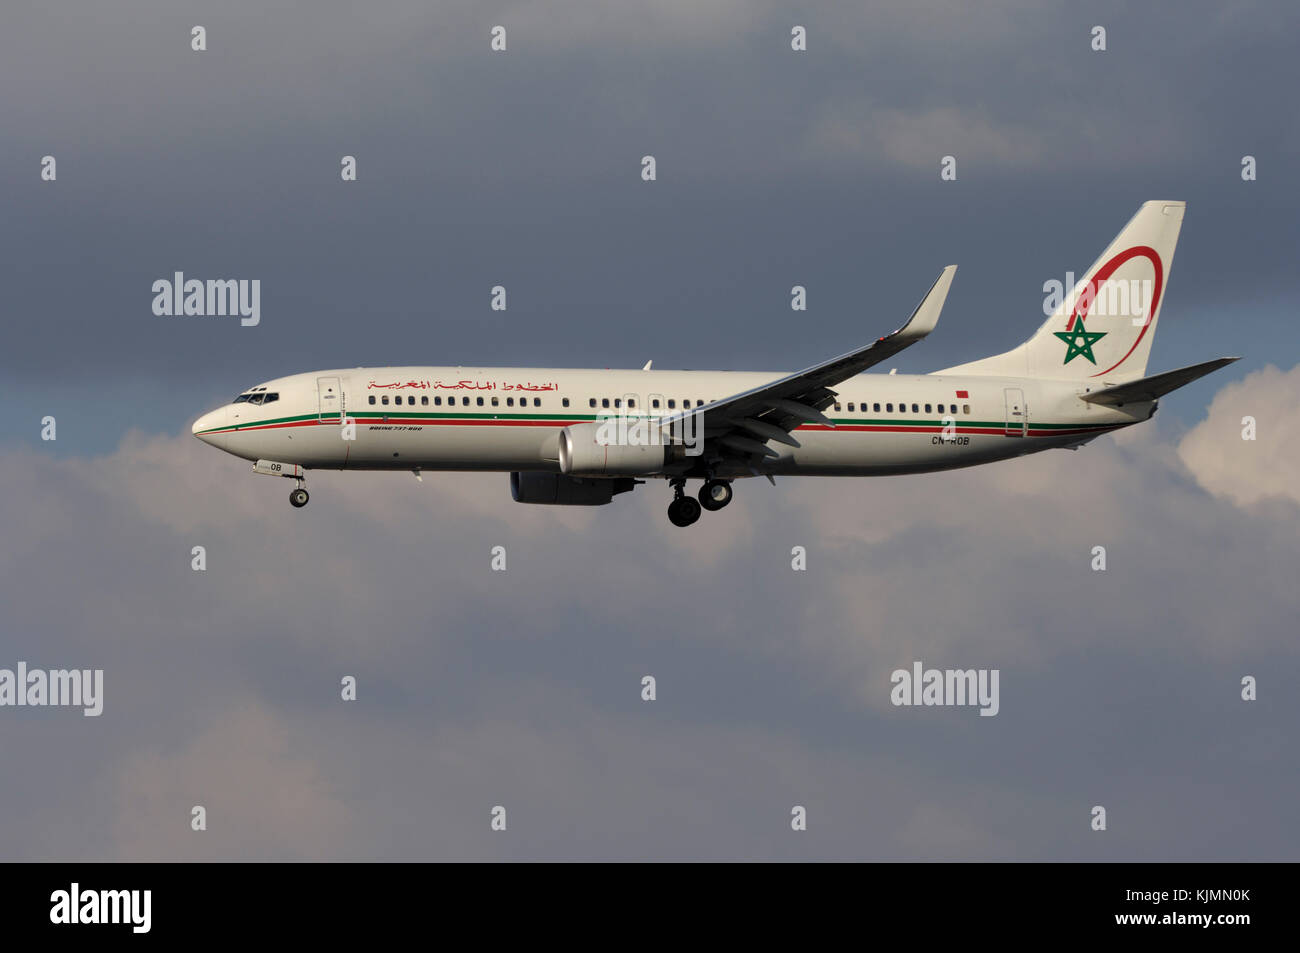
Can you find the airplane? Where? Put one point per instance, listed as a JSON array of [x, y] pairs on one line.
[[580, 437]]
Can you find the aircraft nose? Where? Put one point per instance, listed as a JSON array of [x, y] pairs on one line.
[[206, 424]]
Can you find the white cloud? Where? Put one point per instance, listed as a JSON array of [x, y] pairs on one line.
[[1249, 471]]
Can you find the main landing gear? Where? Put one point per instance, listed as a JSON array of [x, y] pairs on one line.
[[683, 510], [299, 496], [715, 494]]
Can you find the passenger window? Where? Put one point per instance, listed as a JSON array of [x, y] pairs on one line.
[[424, 401], [592, 402], [686, 404], [604, 402], [927, 408], [654, 404], [838, 408], [889, 408], [850, 406], [478, 401], [965, 408], [876, 408], [618, 402], [537, 402], [915, 409], [384, 400], [672, 405], [510, 401], [464, 401], [564, 402], [496, 402], [631, 402], [372, 399]]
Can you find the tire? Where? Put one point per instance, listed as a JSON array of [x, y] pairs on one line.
[[684, 511], [715, 494], [299, 497]]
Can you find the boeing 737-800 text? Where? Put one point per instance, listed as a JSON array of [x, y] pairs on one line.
[[579, 437]]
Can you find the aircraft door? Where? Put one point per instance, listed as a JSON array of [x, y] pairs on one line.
[[1017, 413], [329, 397]]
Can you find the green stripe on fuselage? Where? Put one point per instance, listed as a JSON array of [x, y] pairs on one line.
[[579, 418]]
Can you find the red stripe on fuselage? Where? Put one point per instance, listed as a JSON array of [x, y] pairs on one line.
[[851, 428]]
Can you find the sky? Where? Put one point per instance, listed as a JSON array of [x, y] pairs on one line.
[[523, 689]]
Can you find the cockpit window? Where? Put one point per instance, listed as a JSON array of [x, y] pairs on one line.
[[270, 397], [256, 398], [241, 398]]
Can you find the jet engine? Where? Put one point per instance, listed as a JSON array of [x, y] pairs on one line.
[[626, 446], [560, 490]]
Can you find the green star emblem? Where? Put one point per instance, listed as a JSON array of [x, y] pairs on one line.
[[1079, 341]]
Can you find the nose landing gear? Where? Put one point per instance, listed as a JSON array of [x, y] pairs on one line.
[[292, 471]]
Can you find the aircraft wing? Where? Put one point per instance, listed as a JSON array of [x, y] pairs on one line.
[[1149, 388], [741, 425]]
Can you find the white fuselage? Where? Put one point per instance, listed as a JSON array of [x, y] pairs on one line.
[[503, 419]]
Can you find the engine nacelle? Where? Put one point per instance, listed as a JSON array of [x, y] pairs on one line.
[[610, 447], [559, 490]]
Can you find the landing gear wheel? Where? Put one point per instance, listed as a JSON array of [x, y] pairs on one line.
[[715, 494], [683, 511], [299, 497]]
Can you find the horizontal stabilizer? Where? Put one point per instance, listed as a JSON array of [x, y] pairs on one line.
[[1149, 388]]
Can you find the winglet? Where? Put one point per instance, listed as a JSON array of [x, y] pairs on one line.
[[925, 317]]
